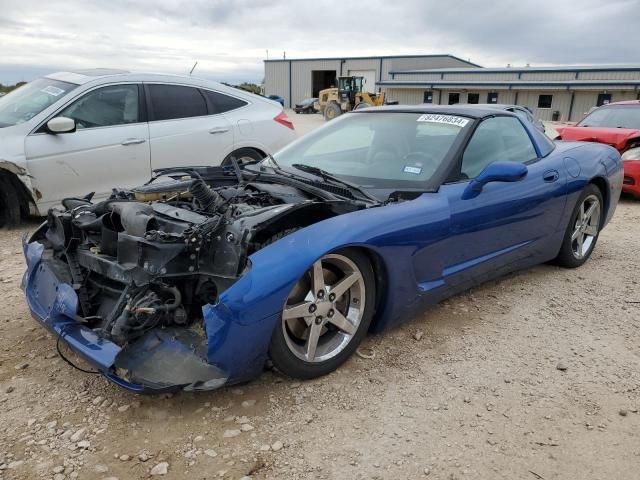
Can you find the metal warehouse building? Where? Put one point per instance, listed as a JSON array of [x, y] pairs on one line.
[[552, 93], [301, 78]]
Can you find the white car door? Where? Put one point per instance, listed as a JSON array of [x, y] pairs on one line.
[[184, 128], [109, 148]]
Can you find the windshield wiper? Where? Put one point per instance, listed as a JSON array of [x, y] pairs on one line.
[[329, 177]]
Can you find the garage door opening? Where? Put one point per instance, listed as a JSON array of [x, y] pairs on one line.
[[321, 79]]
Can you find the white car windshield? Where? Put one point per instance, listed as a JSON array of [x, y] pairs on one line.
[[24, 103], [378, 150]]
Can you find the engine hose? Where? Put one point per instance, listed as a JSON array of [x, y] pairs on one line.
[[177, 300], [209, 199]]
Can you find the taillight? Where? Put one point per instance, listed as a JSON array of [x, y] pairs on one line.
[[282, 119]]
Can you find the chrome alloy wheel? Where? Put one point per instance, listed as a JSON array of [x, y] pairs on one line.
[[586, 227], [324, 309]]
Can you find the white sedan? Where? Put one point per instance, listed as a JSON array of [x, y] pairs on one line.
[[72, 133]]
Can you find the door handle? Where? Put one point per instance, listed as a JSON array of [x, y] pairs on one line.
[[550, 176], [213, 131], [133, 141]]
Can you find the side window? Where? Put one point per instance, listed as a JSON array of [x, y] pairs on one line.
[[104, 107], [176, 101], [223, 103], [496, 139]]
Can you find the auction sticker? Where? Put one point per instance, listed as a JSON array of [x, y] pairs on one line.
[[414, 170], [51, 90], [446, 119]]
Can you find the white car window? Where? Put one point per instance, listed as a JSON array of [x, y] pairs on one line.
[[106, 106], [176, 101], [223, 103]]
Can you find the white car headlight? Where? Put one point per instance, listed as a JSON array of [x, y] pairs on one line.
[[632, 154]]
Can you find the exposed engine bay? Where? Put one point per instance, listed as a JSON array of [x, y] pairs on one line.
[[153, 256]]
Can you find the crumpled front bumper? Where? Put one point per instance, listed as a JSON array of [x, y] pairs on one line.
[[162, 360]]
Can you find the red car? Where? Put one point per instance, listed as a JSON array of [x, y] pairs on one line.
[[616, 124]]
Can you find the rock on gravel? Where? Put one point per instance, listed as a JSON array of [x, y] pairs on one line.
[[275, 446], [160, 469], [231, 433], [78, 435]]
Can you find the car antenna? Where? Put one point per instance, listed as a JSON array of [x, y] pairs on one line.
[[193, 68]]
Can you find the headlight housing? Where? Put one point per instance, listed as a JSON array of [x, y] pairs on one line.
[[631, 154]]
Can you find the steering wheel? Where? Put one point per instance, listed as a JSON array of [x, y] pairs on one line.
[[428, 161], [419, 156]]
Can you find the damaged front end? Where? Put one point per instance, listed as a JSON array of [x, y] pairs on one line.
[[133, 283]]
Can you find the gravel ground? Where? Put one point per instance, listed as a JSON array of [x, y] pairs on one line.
[[534, 376]]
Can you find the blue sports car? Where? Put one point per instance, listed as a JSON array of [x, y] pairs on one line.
[[195, 279]]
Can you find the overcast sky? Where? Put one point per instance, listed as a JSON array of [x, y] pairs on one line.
[[229, 38]]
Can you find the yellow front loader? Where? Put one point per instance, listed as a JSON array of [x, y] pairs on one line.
[[348, 96]]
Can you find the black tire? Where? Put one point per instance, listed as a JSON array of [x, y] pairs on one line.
[[568, 258], [243, 155], [288, 363], [331, 111], [10, 211], [361, 105]]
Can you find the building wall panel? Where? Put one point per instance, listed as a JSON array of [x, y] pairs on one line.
[[609, 75], [416, 63], [481, 76], [276, 79], [406, 96], [547, 76], [417, 77], [561, 102]]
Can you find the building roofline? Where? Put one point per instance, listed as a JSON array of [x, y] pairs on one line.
[[575, 68], [379, 57], [509, 83]]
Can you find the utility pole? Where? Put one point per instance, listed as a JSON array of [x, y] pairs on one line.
[[267, 54], [284, 55]]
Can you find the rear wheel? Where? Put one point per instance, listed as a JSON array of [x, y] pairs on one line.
[[332, 111], [9, 204], [583, 229], [326, 316], [361, 105], [243, 155]]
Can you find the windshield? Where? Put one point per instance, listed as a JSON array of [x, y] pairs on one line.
[[24, 103], [379, 150], [613, 116]]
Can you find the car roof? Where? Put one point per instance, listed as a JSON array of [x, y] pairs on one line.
[[100, 75], [464, 110], [499, 106], [624, 102]]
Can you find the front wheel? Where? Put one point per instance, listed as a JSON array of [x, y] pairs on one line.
[[331, 111], [326, 316], [10, 211], [583, 230]]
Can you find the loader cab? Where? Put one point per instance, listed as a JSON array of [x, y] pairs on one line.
[[349, 87]]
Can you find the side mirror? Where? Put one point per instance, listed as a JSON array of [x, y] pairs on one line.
[[61, 125], [495, 172]]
